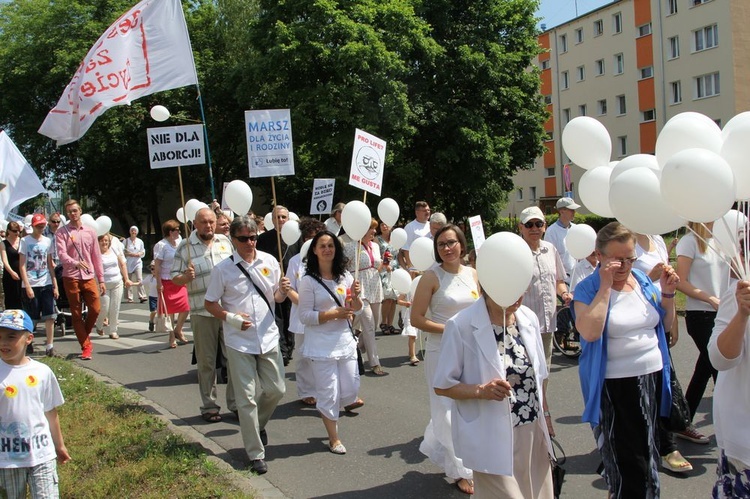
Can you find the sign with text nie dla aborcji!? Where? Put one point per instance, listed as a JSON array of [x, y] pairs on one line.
[[171, 146], [368, 162], [269, 142]]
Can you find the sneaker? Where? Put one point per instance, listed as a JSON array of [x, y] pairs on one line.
[[151, 326], [87, 351], [693, 435], [50, 351]]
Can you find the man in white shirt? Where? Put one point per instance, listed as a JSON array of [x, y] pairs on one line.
[[556, 233], [333, 223], [241, 293], [419, 227]]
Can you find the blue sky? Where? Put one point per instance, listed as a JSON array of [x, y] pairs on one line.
[[556, 12]]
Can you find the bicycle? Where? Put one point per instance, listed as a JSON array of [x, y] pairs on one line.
[[566, 339]]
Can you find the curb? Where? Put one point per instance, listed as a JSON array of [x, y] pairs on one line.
[[252, 485]]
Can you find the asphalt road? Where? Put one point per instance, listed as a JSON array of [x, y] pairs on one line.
[[382, 439]]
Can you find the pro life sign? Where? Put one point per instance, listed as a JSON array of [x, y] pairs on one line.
[[176, 146], [269, 142], [368, 162]]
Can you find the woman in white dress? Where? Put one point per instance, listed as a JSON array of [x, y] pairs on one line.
[[441, 293], [134, 252], [370, 264]]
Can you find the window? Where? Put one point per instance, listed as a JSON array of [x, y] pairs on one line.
[[582, 110], [649, 115], [545, 64], [622, 145], [548, 99], [581, 72], [598, 27], [602, 107], [579, 35], [619, 64], [644, 30], [519, 194], [564, 80], [550, 171], [675, 92], [699, 2], [563, 43], [671, 7], [621, 109], [707, 85], [647, 72], [532, 193], [566, 115], [673, 47], [617, 22], [706, 38], [599, 64], [548, 136]]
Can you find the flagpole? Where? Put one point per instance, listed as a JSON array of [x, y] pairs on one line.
[[205, 138]]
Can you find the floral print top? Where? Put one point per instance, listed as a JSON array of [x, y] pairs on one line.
[[520, 374]]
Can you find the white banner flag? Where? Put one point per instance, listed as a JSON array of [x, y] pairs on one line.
[[368, 162], [18, 181], [322, 196], [146, 50]]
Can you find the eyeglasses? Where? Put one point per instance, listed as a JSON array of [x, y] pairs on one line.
[[175, 229], [625, 261], [447, 244], [244, 239], [54, 221], [538, 224]]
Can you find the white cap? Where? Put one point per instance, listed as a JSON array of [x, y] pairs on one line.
[[567, 203], [531, 213]]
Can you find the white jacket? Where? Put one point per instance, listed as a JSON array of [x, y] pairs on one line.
[[483, 429]]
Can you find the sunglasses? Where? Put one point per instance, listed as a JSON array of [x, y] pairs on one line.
[[244, 239], [54, 221], [538, 224], [172, 230]]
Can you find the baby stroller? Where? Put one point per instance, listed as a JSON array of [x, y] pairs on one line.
[[64, 316]]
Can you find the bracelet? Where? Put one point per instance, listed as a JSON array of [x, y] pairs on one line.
[[547, 414], [667, 295]]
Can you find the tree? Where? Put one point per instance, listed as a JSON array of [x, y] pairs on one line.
[[448, 85]]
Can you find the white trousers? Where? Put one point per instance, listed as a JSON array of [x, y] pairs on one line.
[[110, 307], [367, 319], [303, 371], [336, 385]]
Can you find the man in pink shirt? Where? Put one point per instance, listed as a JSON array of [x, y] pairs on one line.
[[78, 251]]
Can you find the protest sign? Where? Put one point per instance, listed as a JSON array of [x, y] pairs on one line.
[[368, 162], [176, 146], [269, 142], [322, 196], [477, 231]]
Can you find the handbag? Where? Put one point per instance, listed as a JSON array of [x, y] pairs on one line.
[[679, 415], [558, 472], [360, 360], [163, 320]]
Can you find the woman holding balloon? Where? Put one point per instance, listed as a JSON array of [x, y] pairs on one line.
[[624, 367], [442, 292]]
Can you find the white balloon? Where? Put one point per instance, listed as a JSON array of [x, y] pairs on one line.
[[27, 219], [505, 267], [293, 216], [422, 253], [191, 208], [635, 161], [356, 219], [726, 232], [646, 212], [181, 215], [687, 131], [580, 241], [104, 224], [160, 113], [741, 119], [398, 238], [587, 142], [593, 189], [698, 185], [305, 248], [736, 152], [89, 221], [388, 211], [290, 232], [63, 220], [239, 198], [413, 287], [401, 281], [268, 221]]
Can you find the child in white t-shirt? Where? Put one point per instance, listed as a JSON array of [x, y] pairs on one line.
[[31, 441], [149, 281]]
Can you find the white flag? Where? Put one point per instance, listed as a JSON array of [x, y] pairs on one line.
[[18, 181], [146, 50]]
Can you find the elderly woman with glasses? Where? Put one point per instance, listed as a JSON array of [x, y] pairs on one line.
[[173, 299], [624, 366], [547, 284]]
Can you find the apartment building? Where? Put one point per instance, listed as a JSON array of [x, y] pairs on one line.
[[633, 64]]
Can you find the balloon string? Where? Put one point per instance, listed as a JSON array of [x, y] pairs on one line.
[[572, 275], [719, 250]]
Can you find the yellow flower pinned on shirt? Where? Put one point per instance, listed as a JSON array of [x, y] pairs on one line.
[[32, 380], [474, 294], [341, 290], [265, 271], [11, 391], [222, 247]]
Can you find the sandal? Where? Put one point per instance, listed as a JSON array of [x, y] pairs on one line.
[[414, 361], [182, 339], [675, 462], [173, 344], [309, 401], [378, 371], [211, 417], [338, 448], [393, 330], [354, 405], [384, 329], [468, 485]]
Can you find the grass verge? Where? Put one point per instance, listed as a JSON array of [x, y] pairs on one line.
[[120, 450]]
